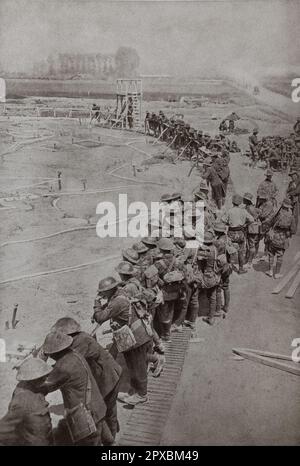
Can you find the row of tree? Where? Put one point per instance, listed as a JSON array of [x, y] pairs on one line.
[[124, 64]]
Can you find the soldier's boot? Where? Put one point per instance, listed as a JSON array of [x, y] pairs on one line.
[[136, 399], [271, 264], [226, 301], [277, 273], [166, 333]]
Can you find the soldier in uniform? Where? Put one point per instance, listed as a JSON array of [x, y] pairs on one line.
[[206, 257], [293, 193], [253, 145], [217, 188], [225, 251], [147, 122], [117, 309], [278, 237], [223, 126], [106, 371], [189, 307], [252, 235], [237, 219], [72, 376], [266, 214], [268, 188], [172, 292], [27, 421]]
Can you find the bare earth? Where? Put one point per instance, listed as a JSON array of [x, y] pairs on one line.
[[219, 400]]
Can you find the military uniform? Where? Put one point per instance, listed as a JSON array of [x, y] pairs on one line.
[[253, 230], [266, 188], [189, 307], [293, 192], [225, 249], [106, 371], [217, 187], [237, 218], [211, 279], [253, 144], [117, 310], [165, 313], [278, 238], [27, 421], [70, 375]]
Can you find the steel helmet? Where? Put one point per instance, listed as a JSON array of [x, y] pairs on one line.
[[106, 284], [248, 197], [165, 244], [125, 268], [203, 186], [176, 196], [286, 203], [140, 247], [149, 241], [33, 369], [130, 255], [200, 195], [66, 325], [189, 232], [56, 341], [166, 197], [180, 242]]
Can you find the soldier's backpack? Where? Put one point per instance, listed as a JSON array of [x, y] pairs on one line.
[[172, 279], [138, 330]]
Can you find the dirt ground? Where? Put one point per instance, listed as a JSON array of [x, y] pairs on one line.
[[237, 401]]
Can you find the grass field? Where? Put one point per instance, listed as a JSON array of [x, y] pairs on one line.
[[160, 89]]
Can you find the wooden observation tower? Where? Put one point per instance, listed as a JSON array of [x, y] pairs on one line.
[[129, 103]]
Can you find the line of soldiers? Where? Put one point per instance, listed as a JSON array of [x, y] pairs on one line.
[[278, 152], [88, 378], [161, 282], [185, 139]]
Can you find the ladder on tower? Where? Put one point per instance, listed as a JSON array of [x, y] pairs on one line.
[[136, 111], [130, 89]]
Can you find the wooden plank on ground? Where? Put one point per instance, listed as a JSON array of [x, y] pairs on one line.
[[268, 361], [267, 354], [286, 278], [291, 291]]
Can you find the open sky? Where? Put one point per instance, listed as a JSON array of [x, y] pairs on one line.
[[172, 37]]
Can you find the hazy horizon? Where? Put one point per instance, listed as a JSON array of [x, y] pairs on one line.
[[171, 37]]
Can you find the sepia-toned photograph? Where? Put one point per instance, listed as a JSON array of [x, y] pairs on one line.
[[149, 240]]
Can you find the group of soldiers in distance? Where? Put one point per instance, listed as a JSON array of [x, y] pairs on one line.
[[185, 139], [159, 289], [277, 152]]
